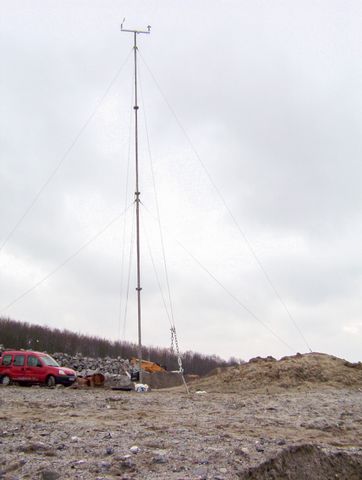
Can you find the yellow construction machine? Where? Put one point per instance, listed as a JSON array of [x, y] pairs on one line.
[[148, 366]]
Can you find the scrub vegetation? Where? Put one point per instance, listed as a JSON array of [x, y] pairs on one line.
[[17, 335]]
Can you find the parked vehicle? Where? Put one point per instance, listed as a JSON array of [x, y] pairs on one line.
[[28, 368]]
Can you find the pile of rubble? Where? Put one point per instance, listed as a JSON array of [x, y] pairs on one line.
[[115, 370], [301, 371]]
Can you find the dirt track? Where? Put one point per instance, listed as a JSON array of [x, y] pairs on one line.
[[65, 433]]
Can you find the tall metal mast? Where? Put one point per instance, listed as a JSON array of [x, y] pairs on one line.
[[137, 193]]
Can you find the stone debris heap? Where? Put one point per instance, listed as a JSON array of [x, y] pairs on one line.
[[301, 371], [116, 370]]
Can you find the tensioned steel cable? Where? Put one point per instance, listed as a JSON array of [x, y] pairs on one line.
[[65, 154], [129, 273], [124, 223], [242, 233], [171, 318], [156, 273], [234, 297], [158, 213], [64, 262]]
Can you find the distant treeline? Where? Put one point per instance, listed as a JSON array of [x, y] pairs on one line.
[[18, 335]]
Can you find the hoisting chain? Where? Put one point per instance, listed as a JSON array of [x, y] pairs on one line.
[[175, 349], [172, 348]]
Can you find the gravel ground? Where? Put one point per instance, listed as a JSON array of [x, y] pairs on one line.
[[99, 434]]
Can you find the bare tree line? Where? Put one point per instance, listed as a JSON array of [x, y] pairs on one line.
[[22, 335]]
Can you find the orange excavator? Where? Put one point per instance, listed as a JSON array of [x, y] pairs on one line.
[[148, 366]]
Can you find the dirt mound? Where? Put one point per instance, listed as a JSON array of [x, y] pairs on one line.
[[306, 462], [298, 371]]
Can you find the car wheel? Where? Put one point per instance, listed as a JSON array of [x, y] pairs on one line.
[[50, 381], [6, 380]]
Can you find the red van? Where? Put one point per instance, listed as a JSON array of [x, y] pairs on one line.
[[27, 367]]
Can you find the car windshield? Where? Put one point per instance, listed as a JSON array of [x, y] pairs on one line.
[[49, 361]]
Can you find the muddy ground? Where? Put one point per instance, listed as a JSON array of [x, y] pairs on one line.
[[89, 434]]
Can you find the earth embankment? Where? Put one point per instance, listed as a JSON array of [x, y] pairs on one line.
[[301, 372]]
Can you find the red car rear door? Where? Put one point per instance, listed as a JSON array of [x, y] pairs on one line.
[[18, 368]]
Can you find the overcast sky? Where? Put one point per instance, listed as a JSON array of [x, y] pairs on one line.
[[250, 118]]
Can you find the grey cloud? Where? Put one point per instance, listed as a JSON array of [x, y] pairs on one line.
[[270, 96]]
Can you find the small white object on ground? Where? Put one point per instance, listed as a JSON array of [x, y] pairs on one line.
[[141, 387]]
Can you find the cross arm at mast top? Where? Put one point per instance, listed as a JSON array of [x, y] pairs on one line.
[[135, 31]]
